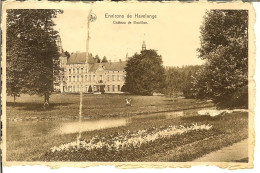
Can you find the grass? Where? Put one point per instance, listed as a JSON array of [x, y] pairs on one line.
[[232, 128], [31, 140], [66, 106], [181, 148]]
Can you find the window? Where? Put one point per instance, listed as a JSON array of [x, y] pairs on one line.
[[78, 88], [73, 70], [73, 88], [86, 77], [77, 70], [73, 78], [123, 77], [81, 70], [113, 77], [77, 78], [100, 77], [113, 88], [94, 77], [69, 88], [69, 78], [107, 77], [108, 88], [86, 87], [118, 77], [118, 87], [89, 78]]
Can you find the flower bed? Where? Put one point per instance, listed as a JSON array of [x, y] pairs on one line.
[[130, 145]]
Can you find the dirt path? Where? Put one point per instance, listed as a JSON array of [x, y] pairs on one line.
[[235, 152]]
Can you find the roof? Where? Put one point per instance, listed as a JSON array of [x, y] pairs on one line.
[[77, 58], [111, 66], [80, 58]]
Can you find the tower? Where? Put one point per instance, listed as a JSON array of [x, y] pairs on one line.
[[59, 45], [126, 57], [143, 46]]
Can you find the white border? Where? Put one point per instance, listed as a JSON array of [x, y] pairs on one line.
[[201, 169]]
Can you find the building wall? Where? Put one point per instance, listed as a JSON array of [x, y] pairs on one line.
[[78, 77], [60, 81]]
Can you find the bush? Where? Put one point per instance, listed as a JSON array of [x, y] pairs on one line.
[[238, 99], [124, 89]]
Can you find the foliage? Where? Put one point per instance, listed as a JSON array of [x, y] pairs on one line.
[[67, 54], [224, 46], [91, 59], [97, 59], [179, 80], [145, 73], [123, 88], [32, 52], [174, 81], [104, 60]]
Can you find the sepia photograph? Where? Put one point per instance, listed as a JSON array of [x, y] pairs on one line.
[[108, 83]]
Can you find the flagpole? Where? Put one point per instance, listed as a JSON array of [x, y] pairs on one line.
[[81, 88]]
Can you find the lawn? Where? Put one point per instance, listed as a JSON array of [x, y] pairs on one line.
[[33, 140], [66, 106]]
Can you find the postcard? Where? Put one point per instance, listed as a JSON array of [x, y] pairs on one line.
[[128, 84]]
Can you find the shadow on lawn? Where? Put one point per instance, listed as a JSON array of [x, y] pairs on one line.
[[35, 106]]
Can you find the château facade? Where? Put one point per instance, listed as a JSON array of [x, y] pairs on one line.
[[78, 74]]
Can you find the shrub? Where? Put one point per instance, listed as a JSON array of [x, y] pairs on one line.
[[124, 89], [238, 99]]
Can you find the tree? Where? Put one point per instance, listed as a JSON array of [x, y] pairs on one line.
[[188, 74], [123, 88], [97, 59], [67, 54], [179, 81], [174, 81], [224, 46], [145, 73], [32, 52], [104, 60], [91, 59]]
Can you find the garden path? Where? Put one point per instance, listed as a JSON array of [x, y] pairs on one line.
[[235, 152]]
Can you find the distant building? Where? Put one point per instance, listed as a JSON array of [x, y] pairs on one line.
[[79, 74]]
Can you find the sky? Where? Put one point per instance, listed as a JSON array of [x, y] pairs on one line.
[[174, 33]]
